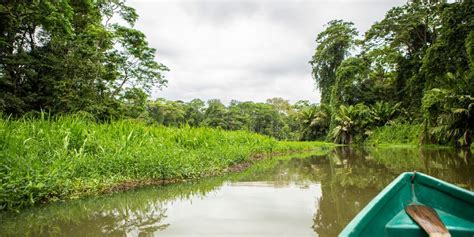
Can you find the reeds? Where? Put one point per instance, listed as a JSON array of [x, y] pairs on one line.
[[44, 159]]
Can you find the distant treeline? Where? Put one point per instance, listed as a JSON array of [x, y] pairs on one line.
[[276, 117], [414, 66]]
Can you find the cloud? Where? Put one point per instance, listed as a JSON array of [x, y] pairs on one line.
[[220, 12], [244, 50]]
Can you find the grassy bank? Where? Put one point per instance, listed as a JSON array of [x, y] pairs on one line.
[[138, 205], [66, 157], [399, 134]]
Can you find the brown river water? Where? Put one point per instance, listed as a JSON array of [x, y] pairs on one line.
[[307, 194]]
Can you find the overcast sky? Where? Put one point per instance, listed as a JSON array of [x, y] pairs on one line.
[[244, 50]]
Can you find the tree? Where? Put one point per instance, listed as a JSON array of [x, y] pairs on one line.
[[423, 49], [315, 120], [166, 112], [404, 35], [267, 120], [236, 118], [451, 52], [194, 112], [261, 118], [351, 77], [448, 116], [333, 46], [134, 103], [351, 123], [448, 67], [283, 106], [383, 112], [66, 56], [215, 114], [133, 61]]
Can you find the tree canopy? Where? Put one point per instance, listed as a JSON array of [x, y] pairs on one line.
[[69, 56], [414, 66], [334, 45]]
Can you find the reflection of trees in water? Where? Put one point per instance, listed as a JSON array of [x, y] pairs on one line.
[[346, 185], [142, 221], [351, 177], [337, 206], [134, 213], [451, 165], [88, 219], [119, 221], [454, 166]]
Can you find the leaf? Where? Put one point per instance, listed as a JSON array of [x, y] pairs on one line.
[[3, 9], [460, 111]]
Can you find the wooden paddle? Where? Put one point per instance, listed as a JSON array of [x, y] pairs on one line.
[[428, 219], [425, 216]]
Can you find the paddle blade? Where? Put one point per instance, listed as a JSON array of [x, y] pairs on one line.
[[428, 219]]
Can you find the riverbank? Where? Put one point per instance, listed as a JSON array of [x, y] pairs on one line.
[[398, 135], [45, 160]]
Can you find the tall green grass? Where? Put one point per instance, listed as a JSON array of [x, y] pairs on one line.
[[397, 134], [56, 158], [288, 146]]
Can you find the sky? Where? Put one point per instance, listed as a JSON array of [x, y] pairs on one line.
[[244, 50]]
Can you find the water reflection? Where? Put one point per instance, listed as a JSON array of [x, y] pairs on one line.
[[247, 209], [134, 213], [305, 195], [351, 177]]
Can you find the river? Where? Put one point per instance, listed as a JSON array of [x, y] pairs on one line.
[[306, 194]]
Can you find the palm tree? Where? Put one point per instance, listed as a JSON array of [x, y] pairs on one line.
[[383, 112], [315, 122], [344, 131], [350, 121]]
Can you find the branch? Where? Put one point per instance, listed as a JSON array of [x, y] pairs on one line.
[[121, 85]]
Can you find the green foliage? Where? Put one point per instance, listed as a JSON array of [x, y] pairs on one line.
[[333, 46], [351, 123], [351, 76], [64, 56], [55, 158], [354, 123], [194, 112], [166, 112], [277, 118], [383, 112], [451, 52], [396, 134], [349, 178], [315, 121], [405, 34], [449, 117], [313, 146], [414, 66], [447, 105], [215, 114], [134, 103]]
